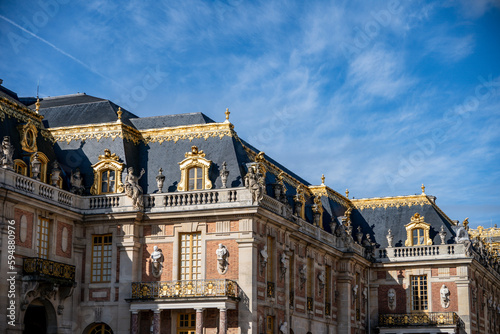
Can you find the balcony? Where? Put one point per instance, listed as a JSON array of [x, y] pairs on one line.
[[185, 289], [45, 270], [419, 253], [430, 319]]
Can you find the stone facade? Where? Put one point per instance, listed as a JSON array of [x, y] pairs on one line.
[[307, 260]]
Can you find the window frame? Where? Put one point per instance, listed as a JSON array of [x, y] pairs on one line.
[[102, 277], [422, 293], [42, 248], [195, 158], [188, 275]]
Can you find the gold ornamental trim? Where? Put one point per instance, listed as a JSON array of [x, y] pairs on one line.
[[22, 113], [323, 190], [195, 158], [189, 132], [119, 130], [94, 131]]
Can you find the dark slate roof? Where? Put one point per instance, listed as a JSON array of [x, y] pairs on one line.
[[157, 122], [8, 94], [66, 100], [378, 221], [102, 111]]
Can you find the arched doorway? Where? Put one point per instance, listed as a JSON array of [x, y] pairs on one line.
[[40, 318], [99, 329]]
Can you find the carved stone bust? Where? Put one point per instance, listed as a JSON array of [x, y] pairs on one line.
[[157, 261], [222, 255], [445, 296]]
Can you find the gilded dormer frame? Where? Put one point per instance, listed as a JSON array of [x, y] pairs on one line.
[[417, 222], [108, 161], [195, 158]]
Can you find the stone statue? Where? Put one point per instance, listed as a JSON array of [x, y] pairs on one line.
[[445, 296], [7, 153], [391, 299], [132, 188], [264, 256], [157, 261], [283, 264], [222, 255], [56, 172], [284, 328], [462, 235], [354, 293], [76, 182], [160, 179], [255, 182], [303, 275], [224, 173], [390, 238], [359, 235], [442, 235], [322, 280]]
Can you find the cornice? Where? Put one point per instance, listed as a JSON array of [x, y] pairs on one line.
[[189, 132], [119, 130], [330, 193]]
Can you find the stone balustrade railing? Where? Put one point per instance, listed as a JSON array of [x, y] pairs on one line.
[[418, 253]]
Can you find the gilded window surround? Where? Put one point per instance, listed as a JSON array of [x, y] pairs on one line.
[[24, 131], [417, 222], [195, 158], [106, 162], [22, 165]]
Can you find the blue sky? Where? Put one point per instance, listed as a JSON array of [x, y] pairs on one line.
[[379, 96]]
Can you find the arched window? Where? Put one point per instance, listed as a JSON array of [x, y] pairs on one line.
[[20, 167], [101, 329], [194, 171], [107, 175]]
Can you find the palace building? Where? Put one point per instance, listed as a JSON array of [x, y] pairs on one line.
[[175, 224]]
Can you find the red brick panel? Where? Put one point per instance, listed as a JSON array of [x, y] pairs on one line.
[[69, 241], [18, 213], [381, 274], [99, 295], [436, 297], [211, 260], [383, 303], [434, 272], [167, 250], [453, 271], [235, 226]]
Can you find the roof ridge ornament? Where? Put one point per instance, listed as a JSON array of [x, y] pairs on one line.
[[227, 115], [119, 114], [423, 189], [322, 179]]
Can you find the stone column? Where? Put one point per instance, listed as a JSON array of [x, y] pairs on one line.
[[464, 303], [222, 320], [199, 321], [345, 305], [156, 322], [135, 323]]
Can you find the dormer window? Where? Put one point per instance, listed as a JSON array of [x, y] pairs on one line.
[[20, 167], [418, 236], [417, 232], [194, 171], [108, 181], [195, 178], [107, 174]]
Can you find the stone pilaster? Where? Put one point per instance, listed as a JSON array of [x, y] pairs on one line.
[[222, 320], [199, 321], [156, 322], [135, 323]]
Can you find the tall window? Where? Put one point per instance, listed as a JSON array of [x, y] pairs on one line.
[[43, 238], [270, 325], [190, 256], [108, 181], [186, 323], [328, 290], [195, 178], [270, 259], [418, 236], [101, 258], [419, 293]]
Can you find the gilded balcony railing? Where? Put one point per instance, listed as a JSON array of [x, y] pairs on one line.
[[420, 319], [42, 268], [310, 304], [185, 289]]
